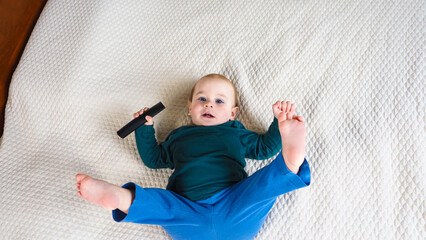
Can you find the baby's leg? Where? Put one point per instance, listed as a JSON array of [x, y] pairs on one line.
[[293, 137], [103, 193]]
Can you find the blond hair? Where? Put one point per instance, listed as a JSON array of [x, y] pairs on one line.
[[217, 76]]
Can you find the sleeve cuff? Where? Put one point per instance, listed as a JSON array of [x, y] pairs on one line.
[[145, 129]]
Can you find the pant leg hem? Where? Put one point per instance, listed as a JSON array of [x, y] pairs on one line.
[[302, 178], [117, 214]]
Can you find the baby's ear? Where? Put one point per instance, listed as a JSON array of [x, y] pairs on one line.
[[189, 105], [234, 113]]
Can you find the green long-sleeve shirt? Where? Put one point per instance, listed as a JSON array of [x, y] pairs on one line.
[[206, 159]]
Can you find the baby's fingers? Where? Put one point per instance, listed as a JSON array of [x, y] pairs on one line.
[[290, 111], [276, 108], [140, 112], [149, 120], [277, 105]]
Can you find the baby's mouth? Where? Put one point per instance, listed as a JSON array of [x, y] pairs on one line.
[[208, 115]]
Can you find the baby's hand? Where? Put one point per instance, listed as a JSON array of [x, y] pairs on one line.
[[149, 119], [281, 106]]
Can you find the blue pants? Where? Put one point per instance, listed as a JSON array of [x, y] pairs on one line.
[[237, 212]]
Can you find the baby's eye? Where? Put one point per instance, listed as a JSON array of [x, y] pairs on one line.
[[218, 101], [202, 99]]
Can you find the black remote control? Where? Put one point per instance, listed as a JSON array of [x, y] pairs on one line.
[[139, 121]]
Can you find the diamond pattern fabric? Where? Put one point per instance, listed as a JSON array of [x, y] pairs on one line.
[[354, 69]]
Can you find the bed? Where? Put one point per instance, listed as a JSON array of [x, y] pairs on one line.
[[354, 69]]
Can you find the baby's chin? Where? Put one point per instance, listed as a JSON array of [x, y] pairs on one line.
[[208, 123]]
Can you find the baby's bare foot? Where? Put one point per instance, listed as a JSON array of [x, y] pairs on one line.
[[293, 138], [103, 193]]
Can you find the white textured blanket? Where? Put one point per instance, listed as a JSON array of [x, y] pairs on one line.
[[354, 69]]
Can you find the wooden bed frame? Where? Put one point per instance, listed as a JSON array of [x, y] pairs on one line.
[[18, 20]]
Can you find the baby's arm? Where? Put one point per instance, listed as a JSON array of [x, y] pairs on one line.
[[153, 155], [263, 146]]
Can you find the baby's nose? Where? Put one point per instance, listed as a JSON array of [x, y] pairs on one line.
[[208, 104]]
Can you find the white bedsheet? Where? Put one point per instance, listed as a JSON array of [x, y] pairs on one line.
[[354, 69]]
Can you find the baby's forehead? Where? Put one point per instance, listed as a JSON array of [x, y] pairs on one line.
[[219, 85], [219, 82]]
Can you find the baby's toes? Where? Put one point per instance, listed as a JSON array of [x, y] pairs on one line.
[[79, 177], [299, 118]]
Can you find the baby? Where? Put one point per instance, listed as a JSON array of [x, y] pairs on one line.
[[209, 195]]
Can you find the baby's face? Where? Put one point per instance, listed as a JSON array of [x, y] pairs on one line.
[[213, 102]]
